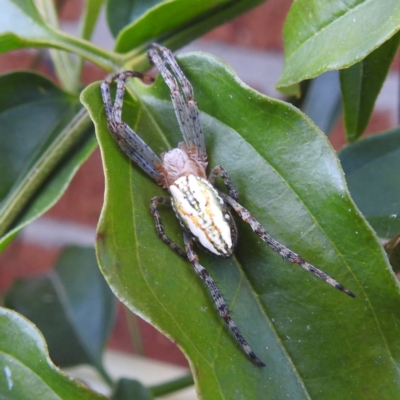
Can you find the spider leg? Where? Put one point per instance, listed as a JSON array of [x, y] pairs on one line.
[[130, 143], [220, 171], [155, 201], [280, 248], [218, 299], [182, 98]]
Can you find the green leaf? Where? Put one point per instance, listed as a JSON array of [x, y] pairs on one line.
[[164, 17], [288, 176], [371, 166], [27, 371], [122, 12], [324, 35], [175, 24], [72, 305], [322, 102], [22, 26], [361, 84], [44, 137]]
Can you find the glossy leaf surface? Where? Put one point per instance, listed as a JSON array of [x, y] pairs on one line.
[[361, 84], [175, 24], [36, 122], [72, 305], [371, 166], [288, 176], [324, 35], [22, 26], [27, 371], [122, 12]]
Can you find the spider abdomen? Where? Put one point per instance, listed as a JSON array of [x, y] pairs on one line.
[[202, 211]]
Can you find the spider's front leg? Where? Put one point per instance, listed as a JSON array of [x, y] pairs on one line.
[[280, 248], [219, 171], [130, 143], [218, 299], [114, 111], [182, 97]]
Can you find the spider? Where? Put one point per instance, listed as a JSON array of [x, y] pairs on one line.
[[203, 211]]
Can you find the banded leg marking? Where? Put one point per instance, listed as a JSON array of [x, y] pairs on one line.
[[155, 201], [218, 170], [280, 248], [182, 97], [219, 301], [130, 143]]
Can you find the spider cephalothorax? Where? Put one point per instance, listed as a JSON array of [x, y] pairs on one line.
[[182, 161], [203, 212]]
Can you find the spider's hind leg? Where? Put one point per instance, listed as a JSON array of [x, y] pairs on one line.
[[286, 253], [218, 299], [156, 201]]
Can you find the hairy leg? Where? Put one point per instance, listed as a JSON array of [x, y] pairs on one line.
[[280, 248], [154, 203], [218, 300]]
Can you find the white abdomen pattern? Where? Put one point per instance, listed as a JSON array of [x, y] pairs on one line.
[[201, 210]]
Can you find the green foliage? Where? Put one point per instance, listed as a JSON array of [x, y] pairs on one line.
[[45, 137], [27, 371], [361, 84], [180, 23], [74, 317], [121, 13], [269, 298], [323, 36], [371, 166], [309, 335]]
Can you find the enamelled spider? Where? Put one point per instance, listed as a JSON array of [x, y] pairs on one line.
[[203, 212]]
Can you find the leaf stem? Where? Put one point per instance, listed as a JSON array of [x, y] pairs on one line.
[[88, 21], [107, 60], [104, 374], [63, 63], [171, 386], [134, 331]]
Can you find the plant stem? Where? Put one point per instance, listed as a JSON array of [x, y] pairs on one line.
[[62, 61], [134, 331], [171, 386], [104, 374], [107, 60], [88, 22]]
